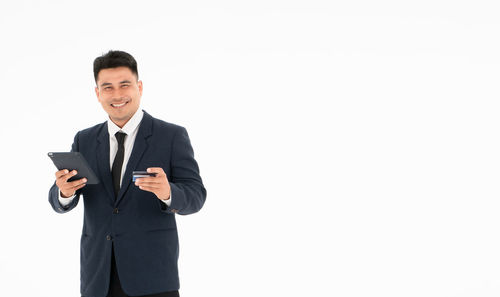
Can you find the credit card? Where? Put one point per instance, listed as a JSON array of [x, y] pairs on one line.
[[139, 174]]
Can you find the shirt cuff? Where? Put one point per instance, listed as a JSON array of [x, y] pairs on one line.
[[168, 201], [65, 201]]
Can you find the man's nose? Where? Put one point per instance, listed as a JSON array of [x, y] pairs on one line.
[[117, 94]]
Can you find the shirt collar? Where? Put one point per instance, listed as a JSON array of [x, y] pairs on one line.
[[129, 127]]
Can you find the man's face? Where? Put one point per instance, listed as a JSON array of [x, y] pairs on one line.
[[119, 93]]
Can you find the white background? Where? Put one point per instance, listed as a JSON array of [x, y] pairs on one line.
[[348, 148]]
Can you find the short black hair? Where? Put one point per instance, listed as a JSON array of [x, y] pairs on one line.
[[113, 59]]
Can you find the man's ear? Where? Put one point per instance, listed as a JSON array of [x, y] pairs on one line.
[[97, 93], [139, 85]]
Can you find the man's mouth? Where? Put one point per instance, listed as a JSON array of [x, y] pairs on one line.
[[119, 105]]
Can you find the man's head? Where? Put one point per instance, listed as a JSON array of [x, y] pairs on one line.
[[118, 87]]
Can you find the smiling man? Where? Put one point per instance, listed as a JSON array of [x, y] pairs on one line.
[[119, 91], [129, 244]]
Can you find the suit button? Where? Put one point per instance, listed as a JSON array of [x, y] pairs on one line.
[[174, 210], [115, 210], [108, 237]]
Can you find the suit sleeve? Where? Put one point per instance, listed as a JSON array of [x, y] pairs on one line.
[[186, 186], [54, 190]]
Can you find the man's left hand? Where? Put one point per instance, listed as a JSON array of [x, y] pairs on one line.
[[158, 184]]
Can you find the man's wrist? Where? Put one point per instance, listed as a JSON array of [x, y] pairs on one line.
[[168, 200], [65, 201], [64, 196], [168, 197]]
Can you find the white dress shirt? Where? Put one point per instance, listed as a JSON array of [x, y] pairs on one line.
[[130, 128]]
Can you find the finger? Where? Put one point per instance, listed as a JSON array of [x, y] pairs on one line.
[[61, 173], [62, 181], [158, 170], [76, 183], [66, 176], [73, 188], [149, 180], [70, 186], [153, 185], [79, 187], [149, 188]]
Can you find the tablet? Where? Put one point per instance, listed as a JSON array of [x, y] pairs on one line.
[[71, 161]]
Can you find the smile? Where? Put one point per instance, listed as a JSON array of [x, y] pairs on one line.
[[119, 105]]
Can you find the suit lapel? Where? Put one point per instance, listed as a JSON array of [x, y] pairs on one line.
[[103, 161], [140, 146]]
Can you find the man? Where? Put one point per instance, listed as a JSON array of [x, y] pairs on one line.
[[129, 244]]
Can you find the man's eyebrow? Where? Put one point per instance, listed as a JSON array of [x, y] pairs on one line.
[[105, 84], [125, 82]]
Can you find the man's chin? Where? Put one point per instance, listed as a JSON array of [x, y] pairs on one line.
[[120, 120]]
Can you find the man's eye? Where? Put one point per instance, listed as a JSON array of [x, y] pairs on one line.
[[125, 86], [107, 88]]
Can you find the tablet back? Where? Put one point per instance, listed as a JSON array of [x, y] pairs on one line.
[[71, 161]]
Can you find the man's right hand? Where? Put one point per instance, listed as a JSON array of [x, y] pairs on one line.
[[68, 189]]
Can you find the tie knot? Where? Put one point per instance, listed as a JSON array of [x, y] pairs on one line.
[[120, 136]]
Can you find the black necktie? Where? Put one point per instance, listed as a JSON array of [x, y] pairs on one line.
[[116, 171]]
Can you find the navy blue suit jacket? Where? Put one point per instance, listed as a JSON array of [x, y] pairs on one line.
[[141, 227]]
